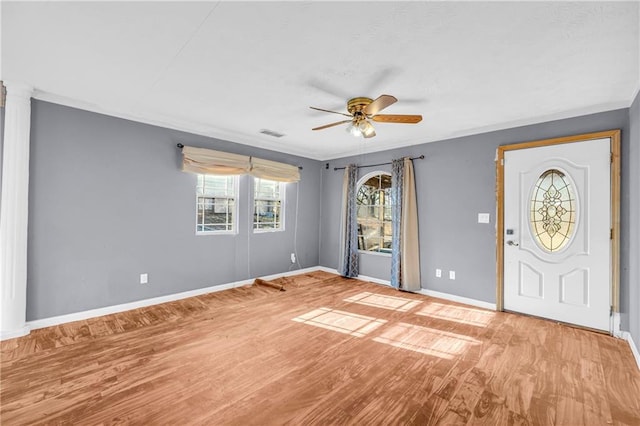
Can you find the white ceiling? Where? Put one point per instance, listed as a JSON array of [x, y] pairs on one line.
[[230, 69]]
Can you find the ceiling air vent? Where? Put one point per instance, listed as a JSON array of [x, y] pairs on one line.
[[271, 133]]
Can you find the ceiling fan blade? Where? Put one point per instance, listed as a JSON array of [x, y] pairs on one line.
[[397, 118], [333, 112], [367, 130], [331, 125], [379, 104]]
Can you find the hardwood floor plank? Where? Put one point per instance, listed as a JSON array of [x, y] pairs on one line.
[[328, 350], [597, 409], [621, 382]]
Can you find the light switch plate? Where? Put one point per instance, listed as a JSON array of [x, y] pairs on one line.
[[452, 275], [484, 217]]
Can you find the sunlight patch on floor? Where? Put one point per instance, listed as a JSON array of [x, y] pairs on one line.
[[340, 321], [385, 302], [425, 340], [459, 314]]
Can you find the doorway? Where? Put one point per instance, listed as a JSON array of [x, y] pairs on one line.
[[558, 227]]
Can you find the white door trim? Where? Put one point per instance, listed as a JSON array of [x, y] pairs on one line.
[[614, 137]]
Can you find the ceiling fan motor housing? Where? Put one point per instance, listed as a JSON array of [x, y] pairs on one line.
[[356, 105]]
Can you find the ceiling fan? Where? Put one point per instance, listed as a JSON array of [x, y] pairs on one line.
[[361, 110]]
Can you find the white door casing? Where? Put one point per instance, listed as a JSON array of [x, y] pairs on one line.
[[572, 283]]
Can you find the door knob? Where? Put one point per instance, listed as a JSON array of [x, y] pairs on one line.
[[512, 243]]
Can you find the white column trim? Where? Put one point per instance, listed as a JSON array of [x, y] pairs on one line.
[[14, 210]]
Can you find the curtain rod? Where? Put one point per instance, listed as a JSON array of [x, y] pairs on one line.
[[374, 165], [179, 145]]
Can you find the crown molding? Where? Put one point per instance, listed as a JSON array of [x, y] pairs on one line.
[[175, 124]]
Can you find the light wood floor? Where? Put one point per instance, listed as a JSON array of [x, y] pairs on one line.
[[325, 351]]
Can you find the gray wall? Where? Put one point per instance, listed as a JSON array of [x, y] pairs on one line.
[[455, 182], [108, 201], [633, 181]]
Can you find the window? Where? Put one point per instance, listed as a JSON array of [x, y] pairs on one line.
[[216, 204], [373, 203], [268, 202], [553, 210]]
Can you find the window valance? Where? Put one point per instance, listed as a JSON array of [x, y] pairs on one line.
[[209, 161], [272, 170]]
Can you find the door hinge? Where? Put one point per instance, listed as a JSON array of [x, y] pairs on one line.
[[611, 234], [611, 158]]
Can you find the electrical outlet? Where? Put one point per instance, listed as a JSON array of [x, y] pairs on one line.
[[293, 258], [144, 278], [484, 218], [438, 273], [452, 275]]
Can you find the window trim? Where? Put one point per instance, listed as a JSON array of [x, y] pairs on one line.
[[361, 181], [236, 186], [283, 192]]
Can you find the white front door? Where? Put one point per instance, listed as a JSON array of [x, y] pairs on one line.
[[557, 221]]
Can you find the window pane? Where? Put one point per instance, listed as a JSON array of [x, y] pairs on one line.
[[372, 231], [388, 230], [266, 189], [215, 214], [266, 214], [387, 242], [373, 182], [387, 213], [373, 212], [373, 209], [267, 204], [385, 181], [212, 185], [215, 203]]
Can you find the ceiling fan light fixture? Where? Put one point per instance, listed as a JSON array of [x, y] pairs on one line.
[[354, 130], [367, 129]]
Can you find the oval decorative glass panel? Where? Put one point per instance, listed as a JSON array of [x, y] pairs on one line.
[[553, 210]]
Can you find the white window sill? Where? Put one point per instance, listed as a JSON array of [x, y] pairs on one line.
[[205, 233], [375, 253], [266, 231]]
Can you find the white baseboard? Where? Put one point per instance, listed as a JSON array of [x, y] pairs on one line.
[[360, 277], [92, 313], [325, 269], [431, 293], [108, 310], [458, 299], [634, 349], [374, 280], [12, 334]]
